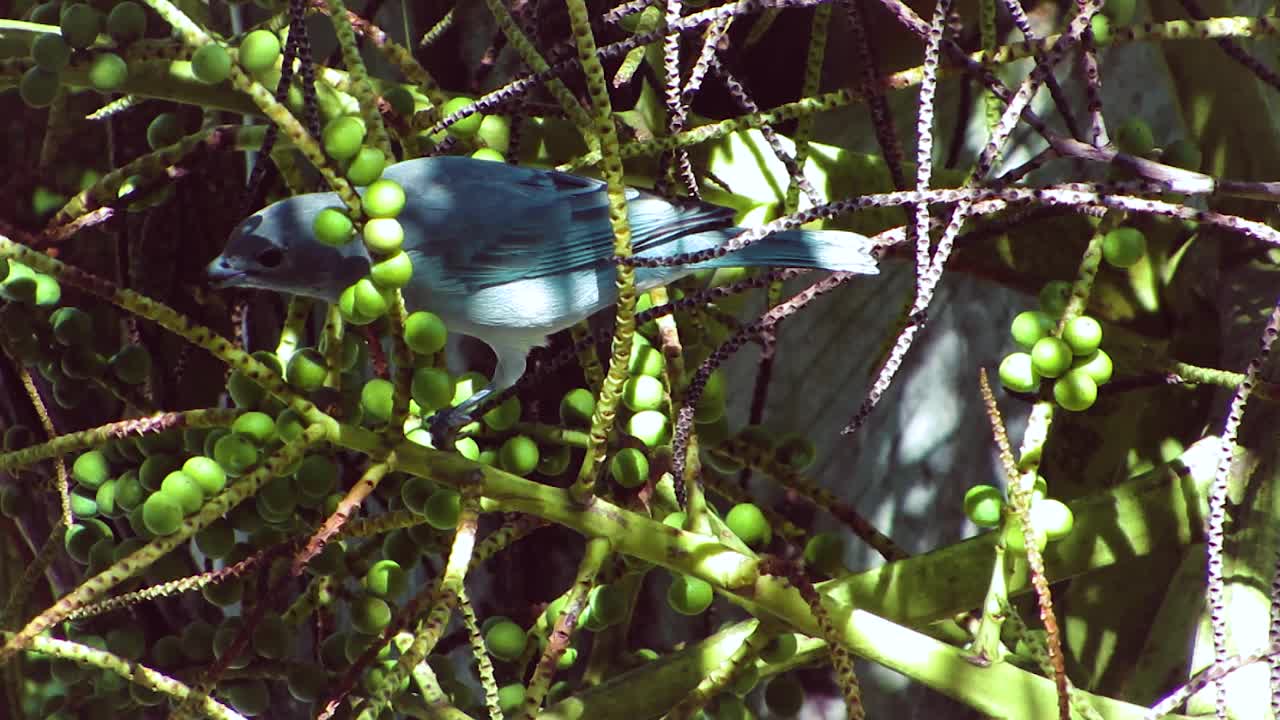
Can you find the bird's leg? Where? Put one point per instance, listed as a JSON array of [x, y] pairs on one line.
[[511, 366]]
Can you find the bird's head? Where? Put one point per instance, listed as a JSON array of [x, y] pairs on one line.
[[275, 249]]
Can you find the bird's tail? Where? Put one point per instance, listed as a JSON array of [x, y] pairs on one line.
[[833, 250]]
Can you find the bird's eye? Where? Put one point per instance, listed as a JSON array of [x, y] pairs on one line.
[[270, 258]]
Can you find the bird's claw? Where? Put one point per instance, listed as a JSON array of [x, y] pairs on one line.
[[444, 425]]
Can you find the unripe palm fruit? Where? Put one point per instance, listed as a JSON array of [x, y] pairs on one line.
[[424, 332], [984, 505], [629, 468], [259, 50], [1050, 357], [1018, 374], [519, 455], [211, 64], [749, 523], [824, 552], [80, 24], [689, 595], [342, 137], [108, 71], [127, 22], [505, 640]]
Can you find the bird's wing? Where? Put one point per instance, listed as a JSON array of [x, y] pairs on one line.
[[480, 224]]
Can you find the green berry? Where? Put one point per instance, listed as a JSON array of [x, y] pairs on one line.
[[1100, 26], [255, 425], [490, 155], [1076, 391], [1120, 12], [443, 508], [689, 595], [1123, 247], [306, 683], [431, 389], [384, 199], [272, 637], [393, 272], [465, 127], [80, 24], [984, 505], [505, 640], [376, 398], [206, 473], [1053, 517], [643, 393], [38, 88], [782, 647], [1050, 357], [629, 468], [343, 137], [83, 505], [519, 455], [1031, 326], [749, 523], [307, 370], [366, 166], [211, 64], [1083, 334], [91, 469], [424, 332], [127, 22], [401, 100], [48, 291], [217, 540], [1054, 296], [784, 695], [1018, 374], [607, 605], [645, 358], [1015, 541], [648, 426], [504, 416], [466, 385], [179, 486], [415, 492], [1135, 137], [1096, 365], [249, 697], [824, 552], [107, 72], [384, 235], [510, 698], [555, 461], [131, 364], [386, 579], [333, 227], [576, 407], [235, 453], [495, 133], [369, 615], [51, 53], [259, 50], [796, 452], [316, 476], [162, 514]]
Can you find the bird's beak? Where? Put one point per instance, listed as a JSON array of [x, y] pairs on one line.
[[222, 273]]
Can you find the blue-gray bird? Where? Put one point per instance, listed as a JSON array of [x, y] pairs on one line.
[[509, 254]]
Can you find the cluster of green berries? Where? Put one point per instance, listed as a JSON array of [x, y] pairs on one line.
[[1050, 519], [80, 24], [1074, 360], [489, 134]]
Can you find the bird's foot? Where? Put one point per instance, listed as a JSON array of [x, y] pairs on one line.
[[444, 425]]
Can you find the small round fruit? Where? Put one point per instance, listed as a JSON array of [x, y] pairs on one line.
[[127, 22], [259, 50], [465, 127], [400, 100], [1120, 12], [431, 389], [1083, 334], [490, 155], [505, 640], [1100, 26], [1030, 327], [1053, 517], [607, 604], [415, 492], [333, 227], [643, 393], [1124, 246], [182, 488], [424, 332], [162, 514], [393, 272], [576, 407], [131, 364], [689, 595], [91, 469], [443, 508], [307, 370], [1015, 541], [366, 166], [384, 235], [376, 398], [504, 416], [495, 133], [519, 455], [1018, 374], [316, 476], [211, 64], [784, 695], [796, 452], [749, 523], [342, 137], [384, 199], [38, 87], [510, 698], [107, 72], [386, 579], [1135, 137], [1050, 357], [984, 505], [645, 358], [1076, 391], [207, 474], [824, 552], [781, 648], [235, 453], [629, 468], [51, 53], [369, 615], [255, 425], [80, 24], [1097, 366], [649, 426]]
